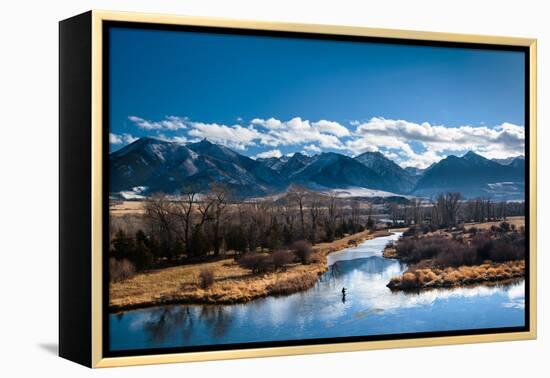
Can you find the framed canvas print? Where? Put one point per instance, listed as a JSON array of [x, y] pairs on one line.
[[236, 189]]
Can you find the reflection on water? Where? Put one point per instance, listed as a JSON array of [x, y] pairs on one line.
[[368, 308]]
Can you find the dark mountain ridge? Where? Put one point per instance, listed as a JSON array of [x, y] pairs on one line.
[[473, 176], [163, 166], [399, 179]]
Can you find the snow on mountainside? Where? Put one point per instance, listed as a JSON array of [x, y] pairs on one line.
[[509, 160], [400, 180], [473, 176], [151, 165], [362, 193]]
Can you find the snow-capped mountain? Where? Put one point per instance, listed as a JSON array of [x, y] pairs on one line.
[[509, 160], [155, 165], [399, 180], [473, 176]]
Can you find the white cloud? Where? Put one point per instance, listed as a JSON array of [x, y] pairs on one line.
[[312, 148], [271, 123], [395, 138], [121, 138], [177, 139], [501, 141], [269, 154], [236, 136], [297, 131], [171, 123], [330, 127]]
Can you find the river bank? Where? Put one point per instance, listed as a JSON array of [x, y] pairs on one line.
[[484, 253], [429, 278], [232, 283]]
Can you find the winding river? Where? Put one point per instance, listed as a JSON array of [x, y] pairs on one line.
[[369, 308]]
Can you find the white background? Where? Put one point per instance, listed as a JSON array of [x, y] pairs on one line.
[[29, 185]]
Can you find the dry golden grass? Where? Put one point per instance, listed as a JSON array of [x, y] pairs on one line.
[[232, 284], [181, 284], [423, 278], [120, 208], [289, 285], [517, 221], [424, 274], [390, 253]]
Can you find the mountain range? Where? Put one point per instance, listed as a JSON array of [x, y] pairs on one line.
[[155, 165]]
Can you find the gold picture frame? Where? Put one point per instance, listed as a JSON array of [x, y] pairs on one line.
[[94, 22]]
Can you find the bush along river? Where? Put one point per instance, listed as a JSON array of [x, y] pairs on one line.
[[368, 308]]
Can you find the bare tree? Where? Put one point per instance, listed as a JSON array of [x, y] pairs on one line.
[[394, 212], [445, 209], [452, 206], [355, 207], [298, 195], [158, 214], [218, 198], [288, 216], [331, 219], [416, 215], [315, 212], [183, 211]]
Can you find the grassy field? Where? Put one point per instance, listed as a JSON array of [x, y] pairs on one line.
[[120, 208], [232, 283], [517, 221]]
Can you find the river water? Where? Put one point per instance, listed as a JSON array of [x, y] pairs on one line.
[[369, 308]]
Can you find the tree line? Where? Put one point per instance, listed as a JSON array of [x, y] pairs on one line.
[[450, 209], [200, 225]]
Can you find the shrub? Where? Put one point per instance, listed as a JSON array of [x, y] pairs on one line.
[[409, 281], [235, 239], [257, 263], [414, 250], [507, 248], [429, 228], [404, 248], [199, 245], [456, 255], [206, 278], [265, 264], [316, 257], [425, 276], [123, 245], [142, 257], [249, 261], [505, 226], [452, 278], [302, 250], [281, 258], [411, 231], [120, 269], [484, 244], [292, 284]]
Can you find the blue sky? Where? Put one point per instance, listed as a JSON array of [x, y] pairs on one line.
[[267, 96]]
